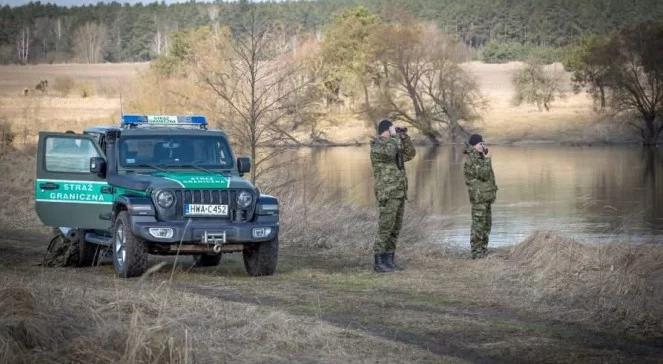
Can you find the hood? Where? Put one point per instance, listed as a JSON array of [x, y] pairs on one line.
[[179, 180]]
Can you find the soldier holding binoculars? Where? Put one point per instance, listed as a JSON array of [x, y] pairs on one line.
[[389, 151]]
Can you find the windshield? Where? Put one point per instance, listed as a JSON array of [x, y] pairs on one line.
[[184, 151]]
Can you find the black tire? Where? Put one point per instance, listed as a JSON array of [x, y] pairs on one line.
[[83, 253], [58, 253], [206, 260], [260, 259], [129, 253]]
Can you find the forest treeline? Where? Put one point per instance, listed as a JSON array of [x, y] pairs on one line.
[[498, 30]]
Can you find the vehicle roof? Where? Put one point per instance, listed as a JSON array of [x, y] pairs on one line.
[[100, 129], [156, 130]]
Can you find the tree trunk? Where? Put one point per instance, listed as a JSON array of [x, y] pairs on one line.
[[602, 91], [432, 137], [456, 131], [367, 100], [254, 163], [650, 132]]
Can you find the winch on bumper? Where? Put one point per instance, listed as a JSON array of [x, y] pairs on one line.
[[197, 231]]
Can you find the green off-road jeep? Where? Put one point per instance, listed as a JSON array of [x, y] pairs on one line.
[[155, 185]]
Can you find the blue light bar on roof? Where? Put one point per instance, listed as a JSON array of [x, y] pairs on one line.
[[164, 120]]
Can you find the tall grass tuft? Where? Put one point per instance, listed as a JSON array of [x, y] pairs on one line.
[[615, 284]]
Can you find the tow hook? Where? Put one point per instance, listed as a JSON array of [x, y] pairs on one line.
[[216, 248]]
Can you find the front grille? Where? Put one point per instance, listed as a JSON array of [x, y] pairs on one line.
[[213, 197]]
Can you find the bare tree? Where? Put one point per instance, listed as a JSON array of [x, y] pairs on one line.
[[23, 44], [535, 84], [262, 91], [161, 35], [421, 83], [90, 41], [454, 97], [635, 77]]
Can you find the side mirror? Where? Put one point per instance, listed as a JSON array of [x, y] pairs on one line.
[[98, 166], [243, 165]]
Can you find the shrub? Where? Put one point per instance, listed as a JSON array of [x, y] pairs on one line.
[[6, 136], [63, 85], [497, 52], [85, 90], [503, 52], [535, 84]]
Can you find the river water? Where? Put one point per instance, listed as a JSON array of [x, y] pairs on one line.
[[592, 194]]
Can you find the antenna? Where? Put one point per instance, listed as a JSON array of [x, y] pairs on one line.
[[121, 107]]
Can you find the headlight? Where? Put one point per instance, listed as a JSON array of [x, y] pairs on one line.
[[165, 199], [244, 199]]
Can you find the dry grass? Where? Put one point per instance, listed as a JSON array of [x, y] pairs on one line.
[[17, 174], [106, 79], [570, 120], [150, 321], [41, 323], [619, 285], [333, 227]]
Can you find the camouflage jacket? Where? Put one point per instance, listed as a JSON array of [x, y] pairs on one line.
[[387, 154], [479, 177]]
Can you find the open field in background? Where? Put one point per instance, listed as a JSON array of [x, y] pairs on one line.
[[107, 79], [571, 120], [56, 111]]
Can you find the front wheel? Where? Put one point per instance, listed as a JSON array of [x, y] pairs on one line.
[[260, 259], [129, 254]]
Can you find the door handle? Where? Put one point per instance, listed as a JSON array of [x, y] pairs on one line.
[[49, 186]]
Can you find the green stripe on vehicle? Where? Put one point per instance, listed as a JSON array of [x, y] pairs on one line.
[[197, 180], [86, 192]]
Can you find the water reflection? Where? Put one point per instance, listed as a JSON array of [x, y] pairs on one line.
[[594, 194]]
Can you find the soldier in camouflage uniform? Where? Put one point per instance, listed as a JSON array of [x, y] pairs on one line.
[[389, 152], [480, 181]]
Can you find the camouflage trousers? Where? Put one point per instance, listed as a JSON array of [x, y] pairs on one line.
[[390, 220], [482, 222]]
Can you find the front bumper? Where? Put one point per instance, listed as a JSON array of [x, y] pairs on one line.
[[193, 230]]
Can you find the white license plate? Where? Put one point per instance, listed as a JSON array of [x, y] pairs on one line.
[[196, 209]]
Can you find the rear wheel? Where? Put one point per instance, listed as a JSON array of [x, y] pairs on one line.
[[129, 253], [260, 259], [206, 260]]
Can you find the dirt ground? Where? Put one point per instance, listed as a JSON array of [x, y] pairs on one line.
[[317, 308]]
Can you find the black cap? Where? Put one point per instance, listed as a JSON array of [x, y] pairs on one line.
[[475, 139], [384, 125]]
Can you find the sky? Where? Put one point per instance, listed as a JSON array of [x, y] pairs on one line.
[[85, 2]]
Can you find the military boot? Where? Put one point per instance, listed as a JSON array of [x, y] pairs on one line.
[[380, 265], [391, 263]]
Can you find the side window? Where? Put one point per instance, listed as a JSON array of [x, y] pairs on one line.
[[71, 155]]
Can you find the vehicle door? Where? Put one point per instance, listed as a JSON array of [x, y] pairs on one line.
[[67, 194]]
